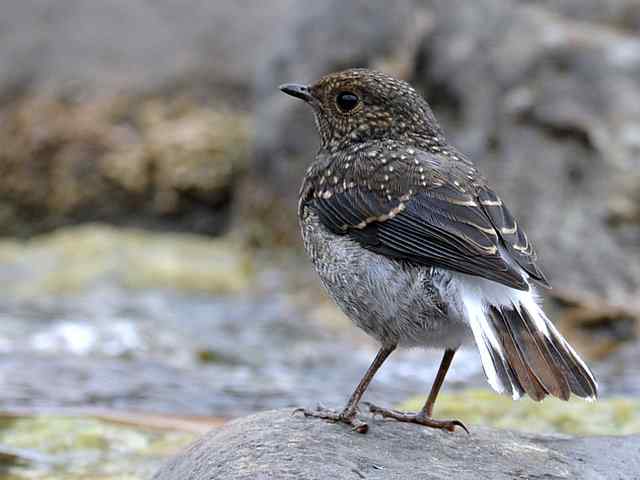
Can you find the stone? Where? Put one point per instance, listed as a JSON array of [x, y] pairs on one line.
[[547, 106], [135, 46], [158, 163], [277, 445]]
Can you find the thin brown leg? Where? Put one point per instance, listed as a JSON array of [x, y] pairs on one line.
[[437, 383], [424, 416], [348, 413]]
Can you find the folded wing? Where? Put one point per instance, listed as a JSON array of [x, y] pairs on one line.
[[446, 223]]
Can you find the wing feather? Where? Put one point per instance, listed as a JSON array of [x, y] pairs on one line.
[[446, 220]]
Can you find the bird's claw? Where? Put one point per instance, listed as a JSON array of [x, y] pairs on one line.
[[333, 416], [419, 418]]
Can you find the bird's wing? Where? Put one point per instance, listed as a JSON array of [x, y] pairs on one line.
[[431, 220], [512, 235]]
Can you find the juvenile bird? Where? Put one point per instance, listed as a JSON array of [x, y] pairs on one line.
[[416, 248]]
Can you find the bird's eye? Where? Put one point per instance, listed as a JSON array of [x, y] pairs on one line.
[[347, 101]]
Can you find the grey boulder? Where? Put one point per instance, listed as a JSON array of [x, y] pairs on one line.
[[277, 445]]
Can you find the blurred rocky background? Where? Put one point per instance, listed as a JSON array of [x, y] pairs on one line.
[[149, 169]]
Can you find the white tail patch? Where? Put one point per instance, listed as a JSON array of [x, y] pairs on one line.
[[488, 346], [477, 294], [475, 298]]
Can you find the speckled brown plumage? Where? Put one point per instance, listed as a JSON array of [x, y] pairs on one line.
[[383, 159], [417, 249]]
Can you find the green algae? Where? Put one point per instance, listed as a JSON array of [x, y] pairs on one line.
[[73, 258], [86, 448], [611, 416]]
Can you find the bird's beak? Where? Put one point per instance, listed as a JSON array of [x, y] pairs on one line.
[[297, 90]]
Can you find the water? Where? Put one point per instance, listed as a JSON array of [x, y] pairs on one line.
[[273, 342]]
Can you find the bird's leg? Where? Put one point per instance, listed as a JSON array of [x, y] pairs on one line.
[[447, 358], [348, 413], [423, 417]]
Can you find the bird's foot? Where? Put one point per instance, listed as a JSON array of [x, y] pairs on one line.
[[344, 416], [420, 418]]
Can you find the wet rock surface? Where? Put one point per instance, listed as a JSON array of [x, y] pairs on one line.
[[56, 447], [183, 324], [277, 445], [177, 323], [175, 353]]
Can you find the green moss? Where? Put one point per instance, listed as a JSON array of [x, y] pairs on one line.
[[211, 356], [75, 257], [614, 416], [84, 447]]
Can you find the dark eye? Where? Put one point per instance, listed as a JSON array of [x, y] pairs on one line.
[[347, 101]]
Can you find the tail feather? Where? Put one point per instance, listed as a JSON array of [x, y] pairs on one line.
[[500, 374], [581, 380], [522, 352], [553, 377]]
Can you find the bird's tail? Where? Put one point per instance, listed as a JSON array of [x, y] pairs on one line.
[[522, 352]]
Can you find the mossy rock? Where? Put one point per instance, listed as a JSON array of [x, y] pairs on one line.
[[165, 162], [74, 258], [611, 416], [74, 448]]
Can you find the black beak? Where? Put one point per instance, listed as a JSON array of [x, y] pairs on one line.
[[297, 90]]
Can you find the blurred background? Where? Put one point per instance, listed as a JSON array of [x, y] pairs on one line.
[[153, 282]]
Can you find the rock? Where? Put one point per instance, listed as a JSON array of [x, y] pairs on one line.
[[64, 162], [548, 108], [278, 445], [155, 162], [135, 46], [623, 14], [107, 445], [72, 260]]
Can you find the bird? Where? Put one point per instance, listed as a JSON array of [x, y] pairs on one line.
[[417, 249]]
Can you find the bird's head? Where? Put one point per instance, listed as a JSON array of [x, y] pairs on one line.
[[360, 105]]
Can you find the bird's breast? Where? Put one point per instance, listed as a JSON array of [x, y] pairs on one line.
[[391, 301]]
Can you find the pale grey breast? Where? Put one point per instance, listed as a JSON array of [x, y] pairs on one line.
[[392, 301]]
